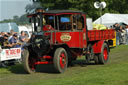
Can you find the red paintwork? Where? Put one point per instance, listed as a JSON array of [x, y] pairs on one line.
[[94, 35], [47, 57], [105, 54], [62, 60], [99, 36], [75, 42], [76, 39], [43, 62], [47, 28], [97, 47], [34, 62]]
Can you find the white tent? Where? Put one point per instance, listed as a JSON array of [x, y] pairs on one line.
[[109, 19]]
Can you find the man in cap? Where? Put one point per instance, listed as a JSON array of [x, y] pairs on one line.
[[4, 41], [14, 40]]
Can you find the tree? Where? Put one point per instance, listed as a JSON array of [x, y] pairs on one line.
[[23, 19], [113, 6], [16, 18]]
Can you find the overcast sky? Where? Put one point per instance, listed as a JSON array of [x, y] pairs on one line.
[[10, 8]]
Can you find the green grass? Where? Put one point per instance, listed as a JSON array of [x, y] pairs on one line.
[[8, 70], [110, 74], [113, 73], [4, 71]]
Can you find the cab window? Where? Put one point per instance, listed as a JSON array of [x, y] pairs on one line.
[[65, 22], [48, 20], [78, 22]]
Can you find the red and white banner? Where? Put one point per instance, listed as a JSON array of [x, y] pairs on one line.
[[8, 54]]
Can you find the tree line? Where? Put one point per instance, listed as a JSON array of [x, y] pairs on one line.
[[20, 20], [86, 6]]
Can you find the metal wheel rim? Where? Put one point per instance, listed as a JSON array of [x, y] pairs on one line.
[[105, 54], [62, 60]]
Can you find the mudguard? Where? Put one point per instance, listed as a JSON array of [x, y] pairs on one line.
[[97, 46]]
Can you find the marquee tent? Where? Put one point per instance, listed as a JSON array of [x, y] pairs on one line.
[[109, 19]]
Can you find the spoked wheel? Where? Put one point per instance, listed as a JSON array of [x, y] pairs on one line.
[[29, 62], [60, 60], [104, 55], [90, 55]]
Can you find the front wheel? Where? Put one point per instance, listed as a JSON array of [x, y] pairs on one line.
[[60, 60], [28, 62]]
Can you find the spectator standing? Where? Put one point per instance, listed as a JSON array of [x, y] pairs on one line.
[[10, 36], [4, 41], [23, 38], [1, 38], [12, 32], [1, 35], [122, 38], [118, 33], [127, 35], [14, 41]]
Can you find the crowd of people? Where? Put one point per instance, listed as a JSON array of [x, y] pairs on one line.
[[12, 39], [121, 33]]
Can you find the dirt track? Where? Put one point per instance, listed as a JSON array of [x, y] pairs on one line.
[[19, 77]]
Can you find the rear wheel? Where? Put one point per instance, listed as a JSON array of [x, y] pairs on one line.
[[104, 55], [60, 60], [29, 62]]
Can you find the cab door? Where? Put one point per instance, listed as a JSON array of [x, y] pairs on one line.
[[80, 27]]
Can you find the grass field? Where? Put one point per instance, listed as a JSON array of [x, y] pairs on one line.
[[113, 73]]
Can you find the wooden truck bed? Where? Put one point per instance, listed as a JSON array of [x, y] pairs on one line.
[[94, 35]]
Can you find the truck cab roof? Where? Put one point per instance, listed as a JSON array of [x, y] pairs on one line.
[[57, 12], [62, 11]]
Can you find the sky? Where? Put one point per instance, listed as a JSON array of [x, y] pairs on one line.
[[10, 8]]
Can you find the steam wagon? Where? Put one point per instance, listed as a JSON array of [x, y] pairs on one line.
[[60, 36]]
